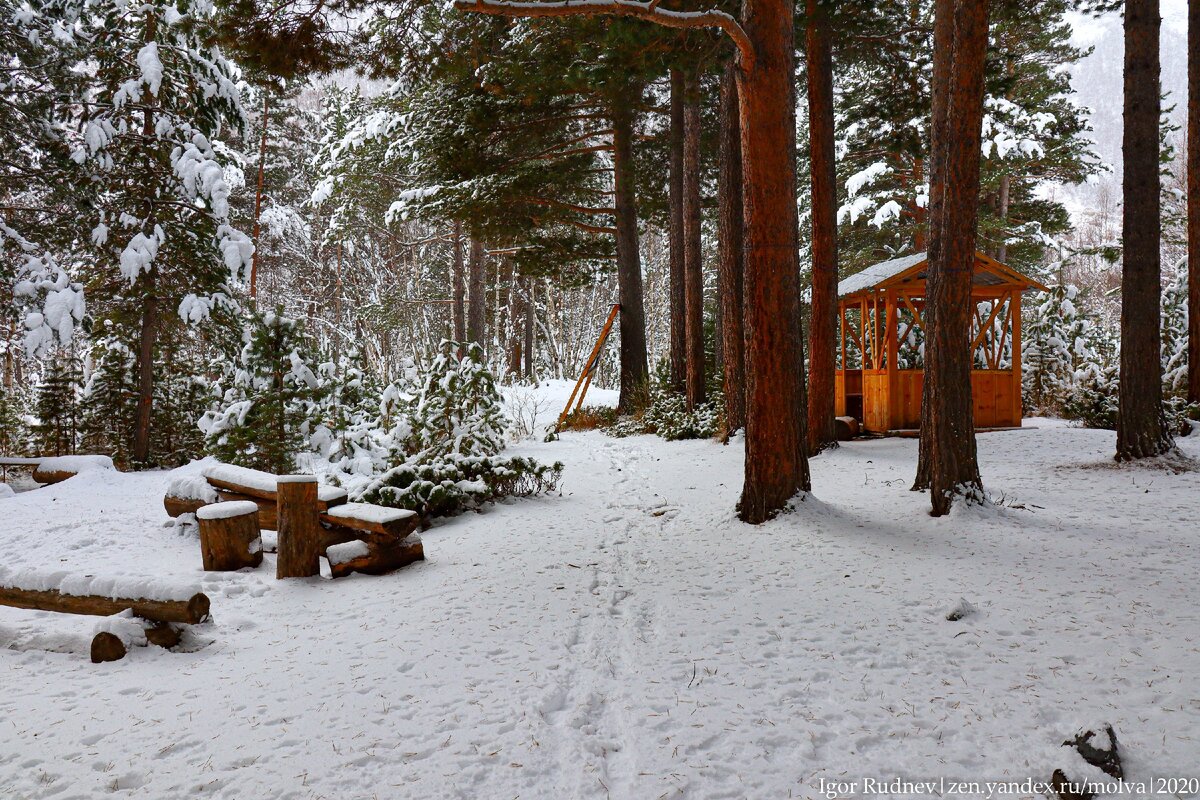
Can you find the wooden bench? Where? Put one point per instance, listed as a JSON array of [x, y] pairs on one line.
[[156, 617], [355, 537]]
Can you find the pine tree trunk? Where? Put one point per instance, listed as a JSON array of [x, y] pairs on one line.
[[943, 42], [822, 365], [634, 372], [776, 464], [476, 294], [1193, 201], [516, 314], [530, 322], [1002, 213], [1141, 426], [693, 260], [676, 293], [148, 335], [258, 192], [731, 233], [948, 424], [460, 287]]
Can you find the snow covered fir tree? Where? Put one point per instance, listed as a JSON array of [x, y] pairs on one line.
[[615, 399]]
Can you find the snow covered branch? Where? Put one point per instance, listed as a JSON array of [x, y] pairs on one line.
[[621, 8]]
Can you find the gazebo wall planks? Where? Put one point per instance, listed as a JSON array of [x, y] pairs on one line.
[[881, 312]]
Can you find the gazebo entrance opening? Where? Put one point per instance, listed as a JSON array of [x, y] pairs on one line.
[[880, 361]]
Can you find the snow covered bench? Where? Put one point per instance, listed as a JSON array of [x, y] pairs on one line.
[[55, 469], [355, 537], [138, 612]]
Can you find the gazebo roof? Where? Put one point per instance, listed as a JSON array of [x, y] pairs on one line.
[[886, 274]]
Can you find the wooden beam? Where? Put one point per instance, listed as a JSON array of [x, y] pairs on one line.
[[192, 611]]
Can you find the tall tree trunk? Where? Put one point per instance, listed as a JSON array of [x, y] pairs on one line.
[[776, 464], [1141, 426], [634, 372], [822, 368], [1193, 200], [530, 321], [476, 294], [731, 226], [948, 423], [676, 294], [516, 316], [147, 338], [258, 192], [1002, 213], [460, 287], [693, 260], [148, 334]]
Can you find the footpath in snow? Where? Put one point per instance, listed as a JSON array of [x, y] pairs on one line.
[[631, 639]]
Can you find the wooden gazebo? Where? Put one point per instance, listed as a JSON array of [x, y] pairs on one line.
[[880, 369]]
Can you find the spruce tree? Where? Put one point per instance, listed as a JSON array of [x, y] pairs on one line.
[[57, 405], [273, 399]]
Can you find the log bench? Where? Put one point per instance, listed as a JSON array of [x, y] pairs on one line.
[[157, 617], [55, 469], [354, 537]]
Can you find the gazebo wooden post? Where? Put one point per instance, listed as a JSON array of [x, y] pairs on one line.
[[1016, 359], [892, 350]]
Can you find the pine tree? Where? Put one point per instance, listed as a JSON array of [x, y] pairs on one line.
[[13, 436], [57, 405], [157, 103], [110, 401], [272, 405]]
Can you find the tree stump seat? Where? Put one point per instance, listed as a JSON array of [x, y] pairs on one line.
[[229, 536]]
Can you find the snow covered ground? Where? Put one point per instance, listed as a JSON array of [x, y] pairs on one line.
[[630, 639]]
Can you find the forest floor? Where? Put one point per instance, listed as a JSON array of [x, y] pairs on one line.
[[630, 639]]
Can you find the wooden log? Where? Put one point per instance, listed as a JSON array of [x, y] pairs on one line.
[[267, 509], [163, 634], [332, 496], [192, 611], [229, 536], [177, 506], [377, 555], [846, 427], [107, 647], [396, 522], [48, 476], [299, 528]]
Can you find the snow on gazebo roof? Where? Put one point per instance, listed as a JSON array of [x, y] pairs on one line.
[[988, 272], [878, 273]]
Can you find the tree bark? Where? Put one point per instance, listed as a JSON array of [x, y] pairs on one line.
[[634, 372], [948, 425], [731, 231], [476, 294], [147, 337], [258, 192], [460, 287], [299, 528], [530, 322], [822, 368], [776, 466], [1193, 200], [693, 260], [1141, 426], [676, 293]]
